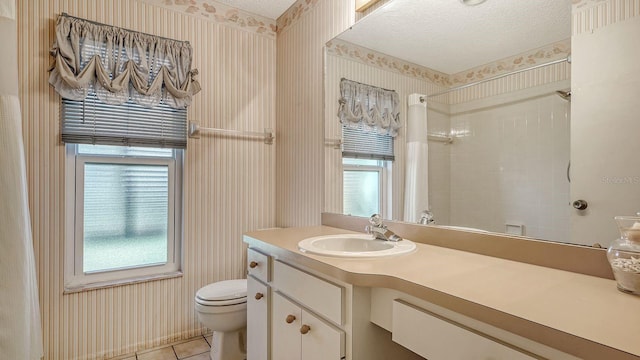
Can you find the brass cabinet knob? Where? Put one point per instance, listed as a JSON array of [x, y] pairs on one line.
[[290, 319], [305, 329], [259, 296], [253, 264]]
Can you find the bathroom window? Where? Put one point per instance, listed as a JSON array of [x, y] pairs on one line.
[[367, 159], [124, 213], [123, 191]]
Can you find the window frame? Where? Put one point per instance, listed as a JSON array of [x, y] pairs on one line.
[[384, 170], [77, 280]]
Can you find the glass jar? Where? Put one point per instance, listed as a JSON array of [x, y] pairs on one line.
[[624, 254]]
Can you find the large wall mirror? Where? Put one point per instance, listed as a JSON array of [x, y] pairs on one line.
[[494, 84]]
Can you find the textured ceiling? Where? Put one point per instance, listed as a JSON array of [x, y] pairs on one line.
[[268, 8], [447, 36]]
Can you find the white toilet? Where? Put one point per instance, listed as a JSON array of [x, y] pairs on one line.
[[222, 307]]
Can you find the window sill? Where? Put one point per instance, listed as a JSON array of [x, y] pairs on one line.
[[72, 289]]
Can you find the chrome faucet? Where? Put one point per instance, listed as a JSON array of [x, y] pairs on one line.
[[379, 230], [426, 218]]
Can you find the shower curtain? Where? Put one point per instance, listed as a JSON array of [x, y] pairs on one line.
[[20, 329], [416, 190]]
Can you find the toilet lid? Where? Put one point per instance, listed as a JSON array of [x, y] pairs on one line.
[[224, 291]]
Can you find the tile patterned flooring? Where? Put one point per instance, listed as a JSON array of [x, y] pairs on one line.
[[194, 349]]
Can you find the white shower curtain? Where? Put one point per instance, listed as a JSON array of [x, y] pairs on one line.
[[20, 329], [416, 190]]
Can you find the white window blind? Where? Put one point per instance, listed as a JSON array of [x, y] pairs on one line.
[[91, 121], [360, 144]]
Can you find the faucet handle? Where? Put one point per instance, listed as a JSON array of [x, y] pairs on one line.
[[376, 220], [426, 217]]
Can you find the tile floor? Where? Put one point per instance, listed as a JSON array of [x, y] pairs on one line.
[[194, 349]]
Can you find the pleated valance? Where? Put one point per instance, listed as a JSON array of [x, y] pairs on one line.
[[369, 107], [120, 65]]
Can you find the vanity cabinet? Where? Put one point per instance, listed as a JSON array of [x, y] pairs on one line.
[[432, 303], [298, 334], [291, 314], [303, 314]]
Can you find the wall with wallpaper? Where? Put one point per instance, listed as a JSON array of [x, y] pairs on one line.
[[229, 184], [303, 31]]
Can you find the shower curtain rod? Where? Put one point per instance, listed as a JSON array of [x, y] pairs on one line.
[[567, 59]]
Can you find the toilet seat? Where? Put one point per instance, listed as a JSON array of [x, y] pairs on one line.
[[223, 293]]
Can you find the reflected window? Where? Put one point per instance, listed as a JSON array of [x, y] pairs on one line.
[[367, 158], [362, 186]]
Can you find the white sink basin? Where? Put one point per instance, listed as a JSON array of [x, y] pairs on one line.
[[354, 245]]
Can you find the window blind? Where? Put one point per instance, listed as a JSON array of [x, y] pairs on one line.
[[360, 144], [91, 121]]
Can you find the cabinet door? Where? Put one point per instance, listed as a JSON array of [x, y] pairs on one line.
[[258, 298], [285, 329], [322, 341]]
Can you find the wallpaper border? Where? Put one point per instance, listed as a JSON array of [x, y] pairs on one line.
[[219, 13], [555, 51], [294, 13], [373, 58]]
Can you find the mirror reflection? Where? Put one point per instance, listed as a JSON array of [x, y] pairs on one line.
[[484, 107]]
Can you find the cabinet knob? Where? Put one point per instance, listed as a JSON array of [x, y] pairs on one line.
[[253, 264], [259, 296], [290, 319], [305, 329]]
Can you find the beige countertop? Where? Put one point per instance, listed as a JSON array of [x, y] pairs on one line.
[[579, 314]]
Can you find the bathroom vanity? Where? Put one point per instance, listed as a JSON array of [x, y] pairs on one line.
[[435, 303]]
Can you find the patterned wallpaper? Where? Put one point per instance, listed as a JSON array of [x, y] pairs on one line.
[[220, 13], [551, 52], [294, 13], [386, 62], [370, 57], [229, 183], [300, 106]]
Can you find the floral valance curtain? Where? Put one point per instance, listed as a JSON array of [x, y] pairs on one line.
[[120, 65], [373, 108]]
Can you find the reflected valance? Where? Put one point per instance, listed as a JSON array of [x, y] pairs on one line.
[[120, 65], [369, 107]]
